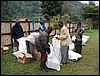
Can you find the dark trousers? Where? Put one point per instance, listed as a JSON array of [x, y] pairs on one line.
[[30, 48], [43, 60], [15, 46], [78, 46]]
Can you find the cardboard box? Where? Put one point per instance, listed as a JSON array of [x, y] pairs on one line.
[[4, 50], [24, 57]]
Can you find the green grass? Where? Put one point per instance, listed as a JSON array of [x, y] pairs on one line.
[[88, 65]]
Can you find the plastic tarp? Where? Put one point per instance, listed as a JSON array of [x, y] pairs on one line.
[[84, 39]]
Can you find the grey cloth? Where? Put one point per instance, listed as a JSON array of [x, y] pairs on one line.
[[64, 54], [30, 48], [15, 46]]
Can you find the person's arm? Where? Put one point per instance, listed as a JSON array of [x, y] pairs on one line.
[[22, 31], [64, 35], [82, 31]]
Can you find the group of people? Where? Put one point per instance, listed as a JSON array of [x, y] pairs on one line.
[[40, 40]]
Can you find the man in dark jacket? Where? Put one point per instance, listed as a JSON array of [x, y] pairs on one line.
[[78, 41], [43, 47], [17, 32]]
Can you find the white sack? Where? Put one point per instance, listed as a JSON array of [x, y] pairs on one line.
[[84, 39], [22, 44], [72, 46], [56, 47], [73, 55], [52, 61], [73, 38]]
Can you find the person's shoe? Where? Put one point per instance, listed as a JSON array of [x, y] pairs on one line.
[[61, 64], [74, 60], [44, 70], [64, 64]]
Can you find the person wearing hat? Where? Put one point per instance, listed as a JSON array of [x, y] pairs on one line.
[[16, 33]]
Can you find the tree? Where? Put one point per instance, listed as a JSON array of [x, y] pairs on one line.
[[91, 13], [20, 9], [5, 13], [67, 8], [51, 8], [73, 9]]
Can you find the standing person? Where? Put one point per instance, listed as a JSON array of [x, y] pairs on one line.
[[43, 47], [42, 26], [64, 43], [30, 43], [78, 41], [17, 32]]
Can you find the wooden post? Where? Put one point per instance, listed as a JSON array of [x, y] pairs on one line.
[[28, 27], [69, 27], [11, 34]]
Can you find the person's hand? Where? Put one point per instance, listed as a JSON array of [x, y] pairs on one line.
[[48, 51], [57, 38]]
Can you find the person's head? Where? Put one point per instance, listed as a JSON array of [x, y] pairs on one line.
[[60, 24], [41, 21], [79, 24], [17, 21], [49, 29]]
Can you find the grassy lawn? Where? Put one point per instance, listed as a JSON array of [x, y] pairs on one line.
[[88, 65]]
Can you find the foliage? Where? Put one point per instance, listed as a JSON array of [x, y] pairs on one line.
[[51, 8], [55, 20], [73, 9], [18, 9], [91, 14], [65, 18], [91, 11]]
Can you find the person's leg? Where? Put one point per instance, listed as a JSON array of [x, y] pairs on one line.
[[76, 45], [64, 54], [67, 54], [43, 62], [80, 47], [28, 47], [15, 46], [32, 47]]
